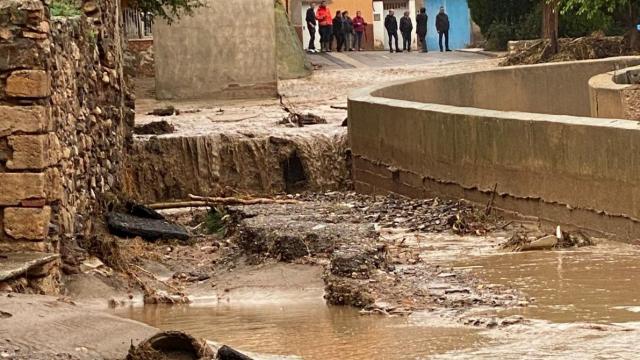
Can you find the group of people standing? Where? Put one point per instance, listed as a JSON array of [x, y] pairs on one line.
[[346, 31], [406, 28]]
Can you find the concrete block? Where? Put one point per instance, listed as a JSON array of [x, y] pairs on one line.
[[20, 186], [27, 223], [28, 84], [24, 119], [34, 151]]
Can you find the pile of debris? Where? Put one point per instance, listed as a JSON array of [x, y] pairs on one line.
[[583, 48], [523, 241], [420, 215], [295, 118], [154, 128]]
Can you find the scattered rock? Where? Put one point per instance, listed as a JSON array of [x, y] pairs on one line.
[[356, 263], [154, 128], [300, 120], [166, 111]]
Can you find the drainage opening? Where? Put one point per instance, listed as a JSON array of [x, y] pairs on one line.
[[295, 178]]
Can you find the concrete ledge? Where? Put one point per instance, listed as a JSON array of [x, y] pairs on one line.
[[18, 264], [558, 165], [616, 94]]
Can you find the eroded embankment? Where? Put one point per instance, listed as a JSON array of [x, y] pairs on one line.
[[162, 168]]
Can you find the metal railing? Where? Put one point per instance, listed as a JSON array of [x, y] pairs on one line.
[[137, 24]]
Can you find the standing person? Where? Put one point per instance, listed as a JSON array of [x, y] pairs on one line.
[[347, 30], [311, 26], [421, 28], [406, 27], [338, 25], [442, 25], [359, 26], [391, 24], [323, 15]]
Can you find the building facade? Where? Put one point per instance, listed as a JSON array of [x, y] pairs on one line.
[[374, 12]]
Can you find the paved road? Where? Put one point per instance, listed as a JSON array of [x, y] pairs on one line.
[[379, 59]]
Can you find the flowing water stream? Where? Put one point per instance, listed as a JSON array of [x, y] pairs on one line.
[[587, 306]]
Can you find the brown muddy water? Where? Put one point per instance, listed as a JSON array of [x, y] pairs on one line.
[[311, 331], [599, 284], [585, 305]]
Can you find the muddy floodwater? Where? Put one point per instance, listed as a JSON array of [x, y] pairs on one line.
[[311, 331], [585, 304], [598, 284]]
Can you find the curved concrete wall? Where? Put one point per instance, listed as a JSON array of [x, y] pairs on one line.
[[560, 88], [459, 136], [615, 95]]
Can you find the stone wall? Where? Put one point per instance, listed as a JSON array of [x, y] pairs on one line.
[[141, 57], [63, 123], [568, 170]]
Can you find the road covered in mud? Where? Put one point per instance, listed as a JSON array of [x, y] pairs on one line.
[[342, 275], [421, 267]]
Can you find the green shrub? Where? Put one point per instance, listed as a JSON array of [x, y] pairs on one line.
[[499, 35], [64, 8], [573, 24], [485, 13], [216, 221]]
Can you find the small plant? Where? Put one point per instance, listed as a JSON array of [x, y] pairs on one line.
[[216, 221], [92, 36], [64, 8]]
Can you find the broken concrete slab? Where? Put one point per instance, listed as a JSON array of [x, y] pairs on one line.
[[17, 264], [544, 243], [125, 225]]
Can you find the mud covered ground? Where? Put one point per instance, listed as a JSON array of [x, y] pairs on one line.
[[373, 253], [229, 147]]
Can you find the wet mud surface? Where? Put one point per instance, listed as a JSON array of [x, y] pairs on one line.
[[230, 147], [468, 296]]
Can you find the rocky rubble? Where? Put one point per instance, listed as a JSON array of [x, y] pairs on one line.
[[422, 215]]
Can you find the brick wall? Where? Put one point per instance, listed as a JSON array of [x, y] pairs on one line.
[[64, 123]]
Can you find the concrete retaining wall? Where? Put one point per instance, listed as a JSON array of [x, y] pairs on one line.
[[439, 140], [612, 95], [560, 88]]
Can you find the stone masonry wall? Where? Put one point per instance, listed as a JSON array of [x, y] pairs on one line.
[[64, 123]]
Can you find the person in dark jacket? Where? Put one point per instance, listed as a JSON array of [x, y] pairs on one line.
[[406, 27], [421, 28], [391, 24], [311, 26], [442, 25], [347, 31], [338, 25]]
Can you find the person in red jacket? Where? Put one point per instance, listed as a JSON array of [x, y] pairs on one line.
[[359, 26], [326, 24]]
